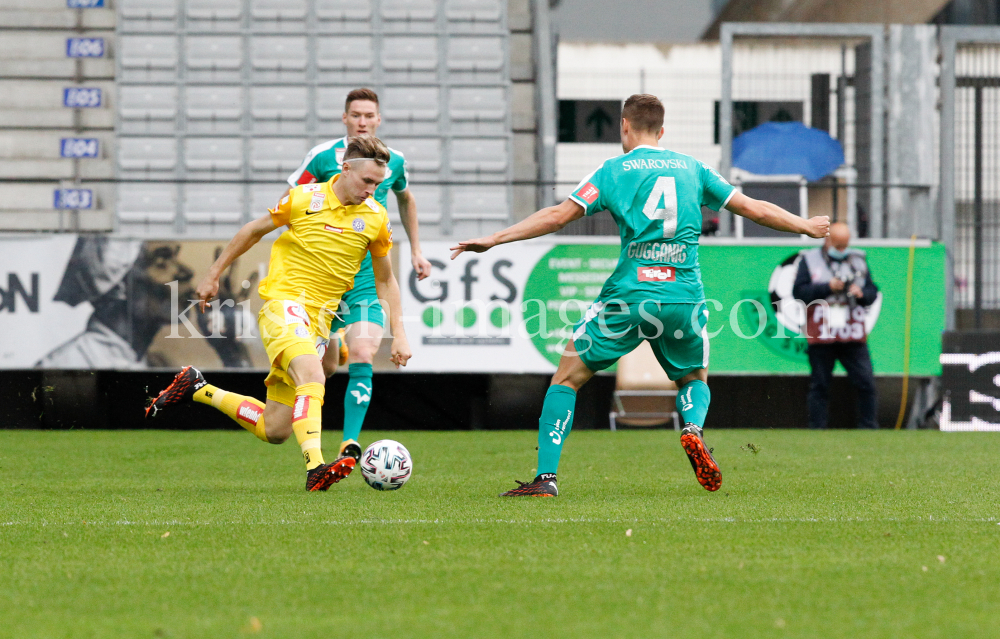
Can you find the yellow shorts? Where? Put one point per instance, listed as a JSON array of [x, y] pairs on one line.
[[289, 329]]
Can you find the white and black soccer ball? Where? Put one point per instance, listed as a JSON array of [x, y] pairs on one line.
[[386, 465]]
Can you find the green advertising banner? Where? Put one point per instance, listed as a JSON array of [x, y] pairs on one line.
[[513, 308], [735, 273]]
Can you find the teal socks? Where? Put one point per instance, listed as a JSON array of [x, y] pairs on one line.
[[356, 399], [692, 402], [554, 426]]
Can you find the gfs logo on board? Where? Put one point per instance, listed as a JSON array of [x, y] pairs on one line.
[[589, 193], [657, 274]]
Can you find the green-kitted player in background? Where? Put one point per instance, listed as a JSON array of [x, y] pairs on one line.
[[655, 293], [361, 320]]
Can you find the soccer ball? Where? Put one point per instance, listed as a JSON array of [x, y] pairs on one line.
[[386, 465]]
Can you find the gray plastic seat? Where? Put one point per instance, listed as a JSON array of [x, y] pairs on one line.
[[479, 155], [430, 200], [344, 53], [214, 102], [411, 103], [214, 58], [477, 103], [279, 103], [279, 52], [278, 9], [213, 203], [281, 155], [410, 53], [409, 9], [480, 203], [423, 155], [475, 53], [147, 203], [215, 155], [473, 10], [148, 52], [330, 104], [147, 154], [140, 102], [148, 9], [214, 10], [344, 9]]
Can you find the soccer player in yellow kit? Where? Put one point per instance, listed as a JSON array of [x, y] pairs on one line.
[[331, 227]]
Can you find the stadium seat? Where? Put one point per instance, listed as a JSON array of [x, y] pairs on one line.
[[423, 155], [477, 110], [147, 203], [429, 199], [344, 58], [148, 9], [147, 109], [146, 58], [279, 53], [215, 155], [644, 395], [265, 196], [214, 10], [330, 106], [473, 10], [139, 155], [280, 109], [411, 110], [480, 202], [277, 155], [409, 10], [360, 10], [214, 109], [478, 155], [278, 9], [213, 203], [214, 58], [409, 54], [475, 54]]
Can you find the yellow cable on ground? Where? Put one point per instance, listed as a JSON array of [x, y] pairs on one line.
[[906, 334]]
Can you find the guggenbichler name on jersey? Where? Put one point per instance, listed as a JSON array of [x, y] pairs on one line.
[[658, 251]]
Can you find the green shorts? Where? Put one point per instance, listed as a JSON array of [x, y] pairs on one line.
[[611, 330], [360, 304]]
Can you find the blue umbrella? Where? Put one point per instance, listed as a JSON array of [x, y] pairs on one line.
[[787, 148]]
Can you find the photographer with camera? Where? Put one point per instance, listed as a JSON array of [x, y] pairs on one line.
[[836, 286]]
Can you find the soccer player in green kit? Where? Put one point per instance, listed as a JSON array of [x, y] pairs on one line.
[[655, 293], [360, 312]]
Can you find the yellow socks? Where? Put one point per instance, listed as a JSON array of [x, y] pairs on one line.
[[246, 411], [307, 421]]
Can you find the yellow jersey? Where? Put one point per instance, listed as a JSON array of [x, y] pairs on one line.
[[314, 262]]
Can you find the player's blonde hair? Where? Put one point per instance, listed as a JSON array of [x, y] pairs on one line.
[[367, 147]]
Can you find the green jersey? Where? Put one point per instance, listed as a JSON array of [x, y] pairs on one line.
[[655, 196], [324, 161]]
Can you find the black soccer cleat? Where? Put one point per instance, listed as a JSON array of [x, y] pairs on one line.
[[705, 468], [325, 475], [180, 390], [543, 486]]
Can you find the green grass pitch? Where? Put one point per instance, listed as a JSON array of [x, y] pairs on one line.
[[818, 534]]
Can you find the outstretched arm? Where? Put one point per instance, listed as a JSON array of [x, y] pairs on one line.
[[245, 238], [408, 215], [388, 289], [777, 218], [542, 222]]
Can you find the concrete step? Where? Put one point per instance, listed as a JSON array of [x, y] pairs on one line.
[[54, 13]]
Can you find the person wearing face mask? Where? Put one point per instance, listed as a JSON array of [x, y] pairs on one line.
[[835, 284]]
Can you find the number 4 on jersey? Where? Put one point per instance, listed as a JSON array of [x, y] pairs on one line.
[[665, 191]]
